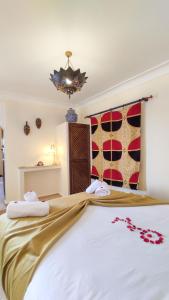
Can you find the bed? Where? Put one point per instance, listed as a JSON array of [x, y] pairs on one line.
[[110, 253]]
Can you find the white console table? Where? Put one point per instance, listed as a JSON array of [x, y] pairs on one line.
[[24, 170]]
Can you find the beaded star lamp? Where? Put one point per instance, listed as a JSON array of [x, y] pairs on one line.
[[68, 80]]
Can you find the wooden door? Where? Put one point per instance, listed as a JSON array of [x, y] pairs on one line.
[[79, 157]]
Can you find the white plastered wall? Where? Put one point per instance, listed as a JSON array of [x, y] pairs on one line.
[[22, 150], [155, 127], [62, 142]]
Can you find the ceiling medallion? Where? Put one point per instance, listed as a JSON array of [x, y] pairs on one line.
[[68, 80]]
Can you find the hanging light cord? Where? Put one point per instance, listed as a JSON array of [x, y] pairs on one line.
[[68, 64]]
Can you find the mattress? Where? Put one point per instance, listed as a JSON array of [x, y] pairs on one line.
[[100, 260]]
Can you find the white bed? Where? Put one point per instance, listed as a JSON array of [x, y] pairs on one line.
[[99, 260]]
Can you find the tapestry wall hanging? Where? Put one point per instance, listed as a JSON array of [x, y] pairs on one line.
[[116, 143]]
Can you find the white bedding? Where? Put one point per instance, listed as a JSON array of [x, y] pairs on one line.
[[98, 260]]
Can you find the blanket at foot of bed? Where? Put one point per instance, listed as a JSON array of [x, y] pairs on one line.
[[25, 241]]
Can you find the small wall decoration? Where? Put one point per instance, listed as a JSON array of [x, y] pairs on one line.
[[38, 123], [26, 128], [40, 164]]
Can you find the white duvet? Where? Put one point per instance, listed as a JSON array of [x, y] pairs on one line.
[[98, 260]]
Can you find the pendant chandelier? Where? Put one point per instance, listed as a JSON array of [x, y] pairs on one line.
[[68, 80]]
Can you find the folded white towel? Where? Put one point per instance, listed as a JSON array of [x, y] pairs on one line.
[[102, 190], [19, 209], [31, 196], [93, 186]]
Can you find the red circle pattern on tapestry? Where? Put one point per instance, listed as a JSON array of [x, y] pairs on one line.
[[133, 181], [111, 121], [134, 149], [95, 150], [95, 174], [112, 150], [134, 115], [113, 177], [94, 124]]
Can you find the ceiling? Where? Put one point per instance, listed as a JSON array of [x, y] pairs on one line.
[[112, 40]]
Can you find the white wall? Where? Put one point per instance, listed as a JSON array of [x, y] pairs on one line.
[[62, 140], [22, 150], [44, 182], [2, 115], [155, 128]]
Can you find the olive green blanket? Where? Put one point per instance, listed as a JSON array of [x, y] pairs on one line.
[[25, 241]]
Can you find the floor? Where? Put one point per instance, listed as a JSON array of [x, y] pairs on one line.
[[2, 205]]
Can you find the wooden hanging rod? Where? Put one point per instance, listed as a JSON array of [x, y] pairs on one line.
[[123, 105]]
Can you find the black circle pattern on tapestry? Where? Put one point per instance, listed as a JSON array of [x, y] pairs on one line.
[[133, 182], [113, 177], [112, 150], [95, 150], [94, 174], [134, 149], [111, 121], [94, 124], [134, 115]]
